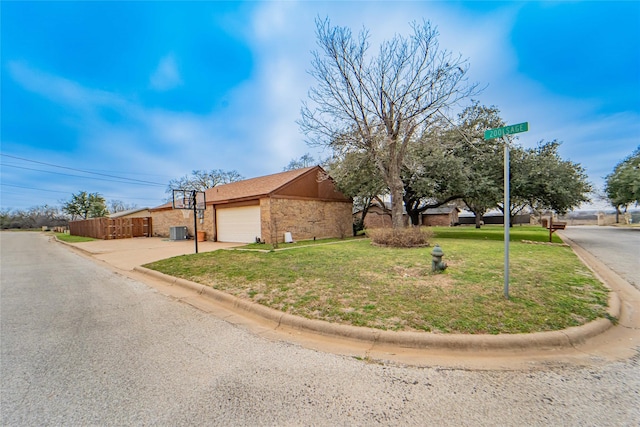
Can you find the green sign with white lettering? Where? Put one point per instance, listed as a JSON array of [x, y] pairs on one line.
[[507, 130]]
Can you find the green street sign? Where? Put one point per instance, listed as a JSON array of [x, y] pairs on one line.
[[507, 130]]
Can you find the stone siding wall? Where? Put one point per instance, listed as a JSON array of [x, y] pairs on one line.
[[304, 219], [164, 220]]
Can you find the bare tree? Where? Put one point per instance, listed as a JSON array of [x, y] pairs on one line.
[[379, 105], [201, 180], [304, 161], [116, 206]]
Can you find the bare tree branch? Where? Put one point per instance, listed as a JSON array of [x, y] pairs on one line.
[[378, 104]]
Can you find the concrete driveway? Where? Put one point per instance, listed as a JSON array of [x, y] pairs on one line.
[[125, 254]]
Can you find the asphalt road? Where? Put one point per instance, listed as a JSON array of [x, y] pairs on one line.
[[81, 345], [617, 247]]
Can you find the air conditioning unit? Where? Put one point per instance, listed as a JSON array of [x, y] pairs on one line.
[[178, 233]]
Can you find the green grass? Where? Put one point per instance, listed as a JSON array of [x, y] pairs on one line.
[[72, 239], [268, 246], [358, 284], [496, 232]]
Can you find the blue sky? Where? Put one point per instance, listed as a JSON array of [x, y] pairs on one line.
[[149, 91]]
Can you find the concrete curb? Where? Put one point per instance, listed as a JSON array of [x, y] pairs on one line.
[[416, 340], [72, 246]]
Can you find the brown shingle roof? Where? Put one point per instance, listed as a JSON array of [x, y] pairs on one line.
[[254, 187], [249, 188]]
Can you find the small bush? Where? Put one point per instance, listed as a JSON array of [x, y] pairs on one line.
[[409, 237]]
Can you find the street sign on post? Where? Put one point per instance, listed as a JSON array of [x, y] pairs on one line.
[[506, 130], [499, 133]]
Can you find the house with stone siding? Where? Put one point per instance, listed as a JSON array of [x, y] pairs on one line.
[[303, 202]]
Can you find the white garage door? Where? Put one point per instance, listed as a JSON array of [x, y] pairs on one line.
[[238, 224]]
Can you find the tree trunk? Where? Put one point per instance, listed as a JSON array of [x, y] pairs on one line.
[[478, 219], [396, 187], [397, 220], [414, 215]]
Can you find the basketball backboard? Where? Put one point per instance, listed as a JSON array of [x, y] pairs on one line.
[[189, 199]]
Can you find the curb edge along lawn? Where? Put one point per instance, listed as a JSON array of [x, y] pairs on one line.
[[394, 289]]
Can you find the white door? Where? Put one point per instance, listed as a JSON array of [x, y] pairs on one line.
[[238, 224]]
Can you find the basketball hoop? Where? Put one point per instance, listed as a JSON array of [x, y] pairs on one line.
[[187, 201]]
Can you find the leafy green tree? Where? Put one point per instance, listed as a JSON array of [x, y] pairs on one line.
[[544, 181], [432, 174], [380, 105], [357, 177], [86, 205], [201, 180], [622, 186], [482, 168]]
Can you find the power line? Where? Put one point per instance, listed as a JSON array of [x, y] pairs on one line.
[[31, 188], [122, 180], [79, 170], [68, 192]]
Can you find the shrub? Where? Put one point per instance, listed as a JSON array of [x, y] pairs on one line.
[[409, 237]]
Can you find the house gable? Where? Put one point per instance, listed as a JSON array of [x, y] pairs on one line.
[[313, 184], [251, 189]]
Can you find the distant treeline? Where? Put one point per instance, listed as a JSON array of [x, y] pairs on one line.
[[35, 217]]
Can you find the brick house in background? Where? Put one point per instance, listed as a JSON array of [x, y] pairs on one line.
[[443, 216], [377, 217], [132, 213], [303, 202]]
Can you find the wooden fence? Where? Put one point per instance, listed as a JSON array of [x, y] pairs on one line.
[[112, 228]]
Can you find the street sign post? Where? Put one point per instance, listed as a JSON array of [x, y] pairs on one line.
[[506, 130], [500, 133]]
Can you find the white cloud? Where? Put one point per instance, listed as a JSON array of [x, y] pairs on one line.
[[257, 132], [61, 90], [166, 75], [282, 36]]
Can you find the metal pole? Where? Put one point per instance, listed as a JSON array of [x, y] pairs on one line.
[[195, 220], [507, 218]]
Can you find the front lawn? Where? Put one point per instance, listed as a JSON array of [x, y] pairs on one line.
[[359, 284], [496, 232]]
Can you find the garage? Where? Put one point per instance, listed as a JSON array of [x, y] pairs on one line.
[[304, 202], [238, 224]]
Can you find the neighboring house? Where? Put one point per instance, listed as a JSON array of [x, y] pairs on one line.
[[377, 217], [494, 218], [303, 202], [132, 213], [444, 216]]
